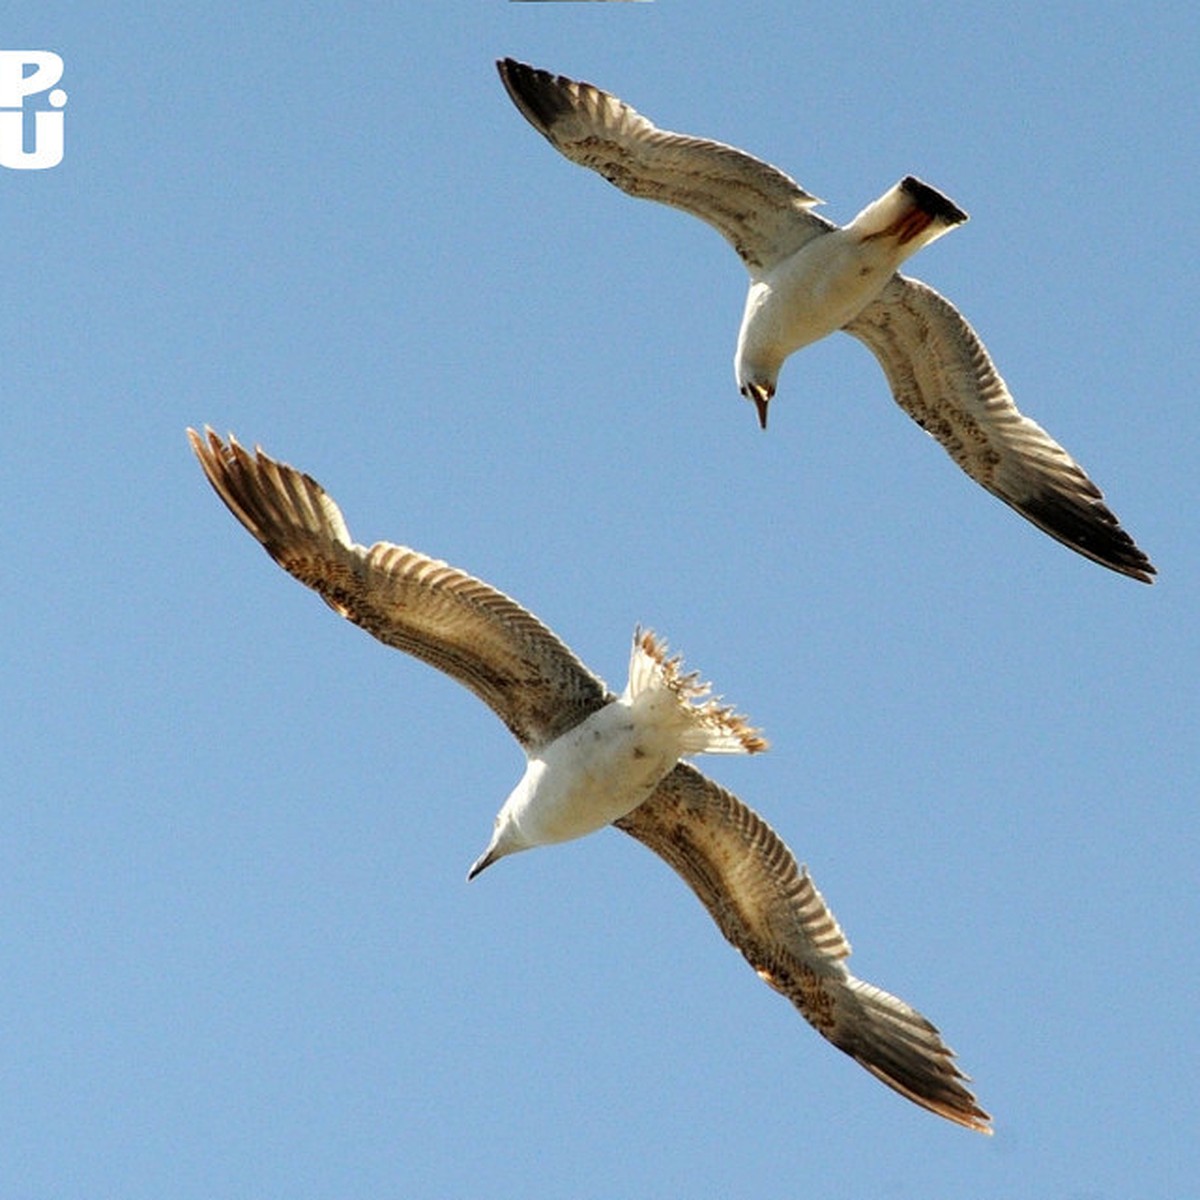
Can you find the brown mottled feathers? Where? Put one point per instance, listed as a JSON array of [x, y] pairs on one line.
[[942, 376], [443, 616], [769, 909], [762, 213], [741, 871]]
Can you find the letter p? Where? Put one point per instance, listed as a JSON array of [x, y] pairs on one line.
[[15, 85]]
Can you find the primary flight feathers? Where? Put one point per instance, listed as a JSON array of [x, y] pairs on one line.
[[763, 903], [808, 277]]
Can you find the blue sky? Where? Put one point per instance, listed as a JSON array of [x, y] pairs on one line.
[[239, 955]]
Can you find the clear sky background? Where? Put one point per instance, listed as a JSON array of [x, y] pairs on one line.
[[239, 957]]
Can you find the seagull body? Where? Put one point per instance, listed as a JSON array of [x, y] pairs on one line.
[[808, 278], [559, 711], [603, 768], [822, 286]]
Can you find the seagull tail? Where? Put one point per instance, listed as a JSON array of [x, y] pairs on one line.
[[707, 727], [912, 212]]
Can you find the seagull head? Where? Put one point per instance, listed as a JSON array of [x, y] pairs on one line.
[[506, 839]]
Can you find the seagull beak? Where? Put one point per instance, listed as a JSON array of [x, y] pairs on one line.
[[760, 403], [482, 863], [762, 397]]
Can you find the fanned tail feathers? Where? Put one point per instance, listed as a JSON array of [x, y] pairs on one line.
[[711, 727]]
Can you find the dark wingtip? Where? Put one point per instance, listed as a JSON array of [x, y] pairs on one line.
[[536, 93], [1093, 532], [931, 201]]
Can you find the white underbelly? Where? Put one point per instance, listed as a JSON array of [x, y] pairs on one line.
[[593, 775], [821, 288]]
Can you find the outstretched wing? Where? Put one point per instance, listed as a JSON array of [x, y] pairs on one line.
[[942, 376], [761, 212], [472, 632], [769, 909]]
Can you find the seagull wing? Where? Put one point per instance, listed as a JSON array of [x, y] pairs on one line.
[[472, 632], [942, 376], [768, 908], [761, 212]]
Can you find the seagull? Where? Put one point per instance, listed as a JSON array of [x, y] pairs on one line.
[[809, 277], [748, 880]]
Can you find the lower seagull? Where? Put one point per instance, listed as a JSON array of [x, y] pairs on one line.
[[594, 758]]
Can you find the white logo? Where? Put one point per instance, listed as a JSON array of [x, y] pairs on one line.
[[46, 145]]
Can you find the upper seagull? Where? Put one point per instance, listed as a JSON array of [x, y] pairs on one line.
[[808, 277], [571, 726]]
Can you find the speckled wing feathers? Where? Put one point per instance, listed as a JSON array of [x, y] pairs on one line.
[[941, 375], [441, 615], [768, 908], [761, 212]]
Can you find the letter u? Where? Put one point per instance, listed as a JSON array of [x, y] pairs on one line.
[[47, 140]]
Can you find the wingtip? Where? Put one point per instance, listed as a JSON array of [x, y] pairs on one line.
[[1089, 528], [545, 98], [210, 450], [210, 444], [199, 441], [949, 1098]]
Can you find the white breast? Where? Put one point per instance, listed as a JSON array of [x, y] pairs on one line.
[[593, 775], [821, 287]]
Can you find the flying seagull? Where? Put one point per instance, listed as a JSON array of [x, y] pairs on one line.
[[763, 903], [808, 277]]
